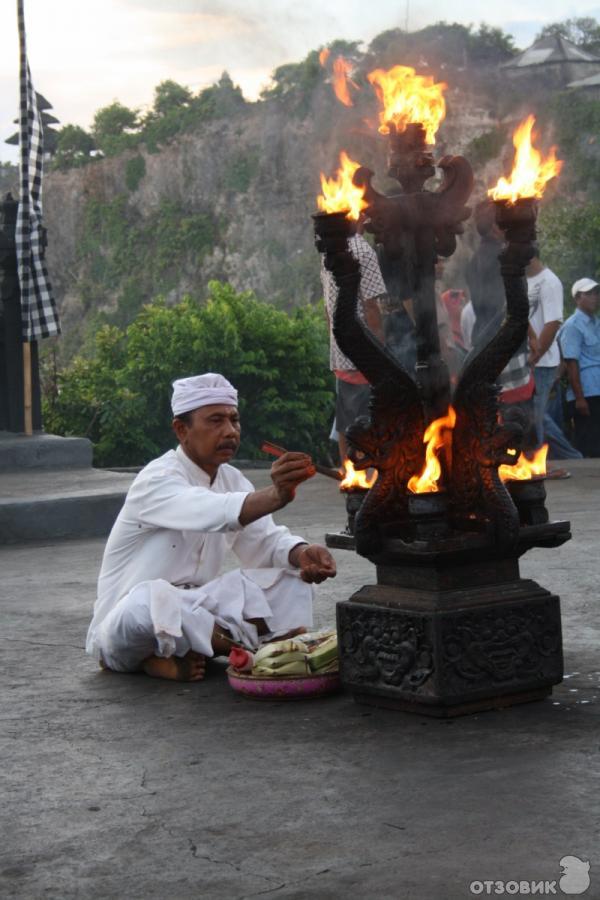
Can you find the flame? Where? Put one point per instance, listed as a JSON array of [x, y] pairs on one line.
[[436, 436], [339, 194], [409, 98], [530, 172], [356, 478], [524, 469], [324, 56], [342, 80]]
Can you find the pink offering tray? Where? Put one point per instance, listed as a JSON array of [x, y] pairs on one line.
[[288, 687]]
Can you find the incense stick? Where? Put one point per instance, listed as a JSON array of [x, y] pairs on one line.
[[276, 450]]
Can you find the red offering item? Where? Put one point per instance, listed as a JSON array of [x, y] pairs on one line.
[[272, 449], [276, 450], [241, 659]]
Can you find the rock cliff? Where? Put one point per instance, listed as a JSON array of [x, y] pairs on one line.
[[230, 201]]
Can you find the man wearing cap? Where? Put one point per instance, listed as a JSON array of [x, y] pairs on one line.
[[162, 605], [580, 344]]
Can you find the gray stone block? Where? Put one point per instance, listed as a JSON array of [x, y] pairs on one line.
[[43, 451], [56, 518]]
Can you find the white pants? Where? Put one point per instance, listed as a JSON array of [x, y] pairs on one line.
[[157, 618]]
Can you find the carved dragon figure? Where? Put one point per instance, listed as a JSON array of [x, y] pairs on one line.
[[480, 443], [444, 210], [391, 440]]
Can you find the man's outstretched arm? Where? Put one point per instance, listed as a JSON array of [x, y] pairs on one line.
[[287, 473]]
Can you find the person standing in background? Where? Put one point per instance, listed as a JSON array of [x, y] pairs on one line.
[[580, 343], [353, 391], [545, 316]]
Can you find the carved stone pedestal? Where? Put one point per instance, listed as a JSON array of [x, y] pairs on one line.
[[446, 641]]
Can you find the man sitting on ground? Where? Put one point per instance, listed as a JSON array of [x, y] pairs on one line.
[[162, 606]]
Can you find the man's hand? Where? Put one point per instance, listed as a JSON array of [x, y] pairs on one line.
[[582, 406], [534, 347], [315, 563], [288, 472]]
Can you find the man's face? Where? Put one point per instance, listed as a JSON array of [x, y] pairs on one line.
[[588, 301], [213, 436]]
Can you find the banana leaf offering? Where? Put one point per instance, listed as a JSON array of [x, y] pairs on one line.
[[314, 653]]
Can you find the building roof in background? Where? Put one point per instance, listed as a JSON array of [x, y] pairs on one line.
[[553, 49], [591, 81]]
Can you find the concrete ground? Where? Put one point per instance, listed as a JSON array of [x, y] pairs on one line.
[[118, 786]]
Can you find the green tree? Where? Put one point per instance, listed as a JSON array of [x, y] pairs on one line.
[[448, 43], [583, 31], [388, 47], [348, 49], [120, 396], [169, 96], [490, 45], [221, 100], [295, 78], [113, 126], [73, 147]]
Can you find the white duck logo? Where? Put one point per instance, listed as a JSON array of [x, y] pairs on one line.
[[575, 878]]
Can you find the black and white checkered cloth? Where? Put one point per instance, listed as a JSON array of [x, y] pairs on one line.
[[371, 287], [38, 310]]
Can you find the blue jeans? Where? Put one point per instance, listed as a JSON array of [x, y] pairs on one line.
[[545, 376], [559, 446]]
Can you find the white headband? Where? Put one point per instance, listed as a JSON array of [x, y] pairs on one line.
[[202, 390]]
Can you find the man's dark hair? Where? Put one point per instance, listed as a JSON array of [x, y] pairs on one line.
[[185, 417]]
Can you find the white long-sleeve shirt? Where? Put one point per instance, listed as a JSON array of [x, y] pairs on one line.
[[177, 526]]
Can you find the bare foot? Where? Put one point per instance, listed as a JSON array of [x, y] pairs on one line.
[[191, 667]]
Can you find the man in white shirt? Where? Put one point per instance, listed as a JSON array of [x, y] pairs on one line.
[[545, 316], [162, 605]]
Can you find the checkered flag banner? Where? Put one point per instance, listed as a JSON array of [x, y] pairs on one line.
[[39, 315]]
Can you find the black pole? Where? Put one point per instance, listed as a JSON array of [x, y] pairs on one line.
[[11, 342]]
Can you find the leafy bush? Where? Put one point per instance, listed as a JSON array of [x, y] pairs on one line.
[[570, 240], [120, 397], [240, 171], [135, 169]]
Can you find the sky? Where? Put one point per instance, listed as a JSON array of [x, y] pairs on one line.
[[84, 54]]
